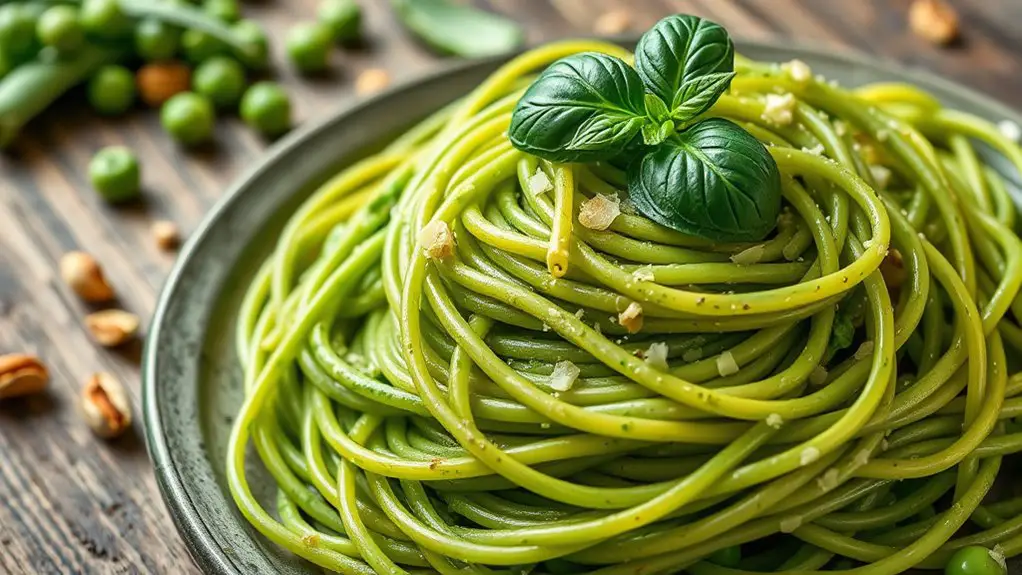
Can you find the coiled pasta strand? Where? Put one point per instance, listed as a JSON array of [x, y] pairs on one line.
[[415, 413]]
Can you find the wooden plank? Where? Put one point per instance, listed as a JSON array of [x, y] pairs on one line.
[[73, 504]]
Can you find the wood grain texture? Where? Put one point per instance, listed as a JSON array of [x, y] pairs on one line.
[[70, 503]]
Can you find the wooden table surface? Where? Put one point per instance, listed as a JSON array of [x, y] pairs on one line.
[[70, 503]]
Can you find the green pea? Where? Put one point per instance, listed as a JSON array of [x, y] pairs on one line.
[[188, 117], [112, 90], [198, 46], [156, 40], [975, 561], [59, 28], [226, 10], [221, 79], [266, 108], [308, 47], [105, 19], [343, 17], [251, 33], [727, 557], [114, 173], [17, 31]]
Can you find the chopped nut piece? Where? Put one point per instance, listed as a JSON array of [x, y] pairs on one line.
[[372, 80], [166, 234], [82, 273], [112, 327], [656, 356], [564, 375], [437, 240], [808, 455], [631, 318], [105, 406], [779, 109], [1010, 130], [21, 374], [726, 364], [775, 420], [799, 71], [613, 22], [599, 211], [159, 81], [539, 183], [934, 20]]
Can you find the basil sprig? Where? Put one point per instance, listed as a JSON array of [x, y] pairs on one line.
[[705, 177]]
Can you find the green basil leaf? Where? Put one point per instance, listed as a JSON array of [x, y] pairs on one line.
[[583, 108], [715, 181], [656, 108], [696, 96], [676, 54]]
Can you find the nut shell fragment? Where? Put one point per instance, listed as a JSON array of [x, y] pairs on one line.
[[105, 406], [21, 375]]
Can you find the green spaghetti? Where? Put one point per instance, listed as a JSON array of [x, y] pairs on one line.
[[463, 358]]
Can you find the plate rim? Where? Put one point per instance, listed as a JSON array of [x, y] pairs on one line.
[[195, 533]]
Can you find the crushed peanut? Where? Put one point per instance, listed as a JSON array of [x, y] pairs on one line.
[[437, 240], [599, 211], [934, 20], [21, 375], [166, 234], [564, 375]]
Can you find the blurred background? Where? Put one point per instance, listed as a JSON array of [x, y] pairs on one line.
[[70, 503]]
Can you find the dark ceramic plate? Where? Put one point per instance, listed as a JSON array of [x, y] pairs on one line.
[[192, 383]]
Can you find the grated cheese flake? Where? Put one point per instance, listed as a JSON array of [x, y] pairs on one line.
[[656, 356], [581, 312], [818, 376], [779, 109], [881, 175], [816, 150], [808, 455], [997, 554], [645, 273], [775, 420], [539, 183], [726, 364], [799, 71], [599, 211], [564, 375], [1010, 130], [631, 318], [749, 256], [437, 240], [865, 350]]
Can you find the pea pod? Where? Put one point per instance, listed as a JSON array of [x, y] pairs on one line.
[[460, 30], [30, 88]]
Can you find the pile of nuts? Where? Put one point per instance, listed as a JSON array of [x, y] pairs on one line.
[[103, 402]]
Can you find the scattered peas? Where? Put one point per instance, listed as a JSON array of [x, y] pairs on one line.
[[308, 47], [251, 33], [975, 560], [104, 19], [198, 46], [221, 79], [115, 174], [156, 40], [727, 557], [17, 31], [112, 90], [343, 17], [188, 118], [58, 27], [226, 10], [266, 108]]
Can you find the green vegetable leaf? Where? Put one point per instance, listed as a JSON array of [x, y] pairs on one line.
[[653, 134], [680, 60], [583, 108], [656, 108], [452, 28], [842, 334], [714, 180]]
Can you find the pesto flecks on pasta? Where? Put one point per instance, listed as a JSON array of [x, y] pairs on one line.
[[446, 372]]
